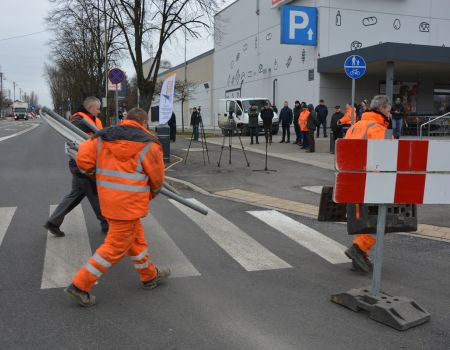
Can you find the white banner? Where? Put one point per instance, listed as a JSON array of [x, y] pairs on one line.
[[166, 99]]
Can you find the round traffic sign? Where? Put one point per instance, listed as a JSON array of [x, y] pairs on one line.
[[355, 66], [116, 76]]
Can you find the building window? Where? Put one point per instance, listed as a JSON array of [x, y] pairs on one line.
[[441, 98]]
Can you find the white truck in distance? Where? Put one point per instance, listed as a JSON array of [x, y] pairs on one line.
[[233, 114], [20, 110]]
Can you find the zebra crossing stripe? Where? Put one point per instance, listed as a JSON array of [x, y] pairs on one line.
[[309, 238], [250, 254], [64, 256], [164, 251], [6, 215]]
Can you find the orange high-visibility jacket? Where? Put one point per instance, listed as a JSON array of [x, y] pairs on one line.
[[371, 126], [129, 169], [303, 120], [347, 118], [96, 122]]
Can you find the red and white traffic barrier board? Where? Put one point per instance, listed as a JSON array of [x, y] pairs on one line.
[[392, 172]]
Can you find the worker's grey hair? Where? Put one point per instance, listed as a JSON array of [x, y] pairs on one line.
[[138, 115], [380, 101], [90, 100]]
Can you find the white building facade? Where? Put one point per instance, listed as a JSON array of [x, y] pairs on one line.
[[405, 43]]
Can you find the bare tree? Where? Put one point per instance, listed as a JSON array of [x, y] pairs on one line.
[[78, 50], [138, 20], [183, 92]]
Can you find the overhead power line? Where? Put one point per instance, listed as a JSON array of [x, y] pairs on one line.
[[23, 35]]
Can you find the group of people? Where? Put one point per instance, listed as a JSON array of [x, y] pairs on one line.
[[120, 170]]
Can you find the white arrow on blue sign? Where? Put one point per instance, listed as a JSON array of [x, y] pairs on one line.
[[355, 66], [299, 25]]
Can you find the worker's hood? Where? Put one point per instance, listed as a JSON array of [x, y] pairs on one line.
[[126, 140]]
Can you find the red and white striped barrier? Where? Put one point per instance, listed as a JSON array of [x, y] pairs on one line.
[[392, 172]]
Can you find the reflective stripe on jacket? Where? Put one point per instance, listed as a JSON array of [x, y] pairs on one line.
[[371, 126], [129, 166], [303, 120]]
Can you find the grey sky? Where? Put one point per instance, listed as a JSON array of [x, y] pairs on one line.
[[22, 60]]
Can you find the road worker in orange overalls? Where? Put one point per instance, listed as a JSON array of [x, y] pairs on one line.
[[373, 125], [82, 185], [302, 123], [129, 171]]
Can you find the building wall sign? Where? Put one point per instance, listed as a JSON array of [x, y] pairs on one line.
[[299, 25]]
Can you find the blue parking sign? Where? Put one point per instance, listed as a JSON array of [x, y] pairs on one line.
[[299, 25]]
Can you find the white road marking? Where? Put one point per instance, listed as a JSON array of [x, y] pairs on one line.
[[64, 256], [6, 215], [164, 251], [314, 189], [19, 133], [309, 238], [250, 254]]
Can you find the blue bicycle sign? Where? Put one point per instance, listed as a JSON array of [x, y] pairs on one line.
[[355, 66]]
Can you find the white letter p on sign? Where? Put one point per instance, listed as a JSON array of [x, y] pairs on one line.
[[293, 26]]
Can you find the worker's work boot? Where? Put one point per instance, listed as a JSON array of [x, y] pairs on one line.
[[160, 278], [83, 298], [358, 257], [55, 230]]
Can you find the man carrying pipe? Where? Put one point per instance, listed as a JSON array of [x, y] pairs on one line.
[[82, 185], [129, 169]]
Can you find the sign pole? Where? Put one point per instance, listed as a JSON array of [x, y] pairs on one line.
[[381, 225], [353, 101], [117, 104]]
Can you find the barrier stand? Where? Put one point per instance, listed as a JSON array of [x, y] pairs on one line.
[[400, 313]]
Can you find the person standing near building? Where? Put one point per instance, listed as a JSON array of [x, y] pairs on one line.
[[335, 128], [373, 125], [253, 123], [173, 127], [302, 123], [286, 118], [129, 169], [311, 125], [362, 108], [195, 122], [322, 114], [296, 114], [398, 113], [82, 184], [267, 117]]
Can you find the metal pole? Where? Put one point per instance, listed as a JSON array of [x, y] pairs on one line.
[[390, 80], [378, 261], [106, 60], [14, 85], [353, 101], [117, 103]]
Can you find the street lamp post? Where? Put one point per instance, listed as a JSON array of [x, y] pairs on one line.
[[14, 85]]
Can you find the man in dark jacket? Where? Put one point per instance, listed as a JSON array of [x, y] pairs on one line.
[[322, 113], [398, 112], [195, 122], [253, 123], [335, 128], [82, 185], [311, 125], [267, 116], [296, 114], [286, 117], [173, 127]]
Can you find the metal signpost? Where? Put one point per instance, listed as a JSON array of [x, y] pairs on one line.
[[355, 68], [116, 76]]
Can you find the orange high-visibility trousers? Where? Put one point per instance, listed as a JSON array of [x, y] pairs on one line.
[[124, 237], [365, 242]]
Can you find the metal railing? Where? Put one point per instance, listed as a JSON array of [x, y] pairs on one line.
[[428, 123]]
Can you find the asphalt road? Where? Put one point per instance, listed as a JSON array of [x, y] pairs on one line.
[[241, 283]]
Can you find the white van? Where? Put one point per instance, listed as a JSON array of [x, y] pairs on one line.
[[233, 113]]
